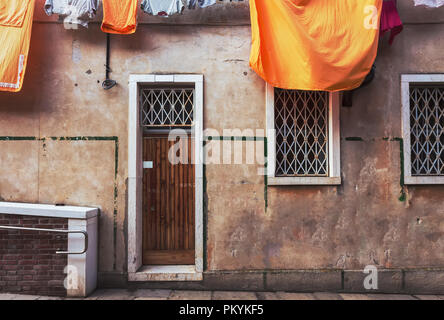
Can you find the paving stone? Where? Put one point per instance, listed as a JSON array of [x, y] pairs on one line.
[[160, 294], [24, 297], [112, 294], [234, 295], [87, 298], [391, 297], [427, 297], [49, 298], [327, 296], [352, 296], [7, 296], [295, 296], [267, 296], [190, 295], [147, 294]]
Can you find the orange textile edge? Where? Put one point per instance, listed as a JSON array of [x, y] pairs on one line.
[[308, 45], [15, 37], [109, 29], [119, 17]]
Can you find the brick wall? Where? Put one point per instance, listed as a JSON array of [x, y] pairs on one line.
[[28, 262]]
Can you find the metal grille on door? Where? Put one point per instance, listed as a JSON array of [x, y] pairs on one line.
[[167, 107]]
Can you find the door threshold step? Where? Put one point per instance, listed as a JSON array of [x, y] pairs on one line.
[[166, 273]]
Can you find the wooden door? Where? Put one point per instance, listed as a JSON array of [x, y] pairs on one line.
[[168, 204]]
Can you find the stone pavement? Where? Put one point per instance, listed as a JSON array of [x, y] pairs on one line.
[[146, 294]]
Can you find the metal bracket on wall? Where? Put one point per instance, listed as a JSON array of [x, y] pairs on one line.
[[85, 234]]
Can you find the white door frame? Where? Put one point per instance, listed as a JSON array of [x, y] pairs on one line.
[[136, 271]]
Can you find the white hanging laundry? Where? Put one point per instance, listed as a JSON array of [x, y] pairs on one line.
[[201, 3], [76, 12], [163, 8], [167, 8], [430, 3]]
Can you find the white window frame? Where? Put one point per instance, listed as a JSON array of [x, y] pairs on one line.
[[406, 80], [136, 271], [334, 141]]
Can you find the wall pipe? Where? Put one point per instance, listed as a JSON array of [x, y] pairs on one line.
[[108, 83]]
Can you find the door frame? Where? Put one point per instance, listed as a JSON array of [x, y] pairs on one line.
[[136, 271]]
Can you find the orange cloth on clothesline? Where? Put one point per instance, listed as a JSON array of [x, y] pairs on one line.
[[119, 16], [326, 45], [15, 37]]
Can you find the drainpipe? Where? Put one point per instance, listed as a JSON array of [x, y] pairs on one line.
[[108, 83]]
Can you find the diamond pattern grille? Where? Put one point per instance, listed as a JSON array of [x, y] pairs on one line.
[[167, 107], [426, 130], [301, 123]]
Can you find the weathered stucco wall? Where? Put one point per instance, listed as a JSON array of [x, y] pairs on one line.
[[64, 140]]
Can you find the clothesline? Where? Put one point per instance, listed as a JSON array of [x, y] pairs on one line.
[[119, 16], [80, 12]]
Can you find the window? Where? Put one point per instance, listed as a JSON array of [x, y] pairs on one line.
[[303, 137], [167, 106], [423, 128]]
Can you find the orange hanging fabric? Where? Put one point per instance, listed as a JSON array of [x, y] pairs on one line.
[[119, 16], [15, 37], [314, 45]]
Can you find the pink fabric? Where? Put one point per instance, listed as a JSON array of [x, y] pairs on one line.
[[390, 20]]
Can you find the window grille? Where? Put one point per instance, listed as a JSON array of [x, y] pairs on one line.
[[426, 130], [167, 107], [301, 123]]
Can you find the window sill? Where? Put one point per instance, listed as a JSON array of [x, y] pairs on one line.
[[166, 273], [303, 181], [423, 180]]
